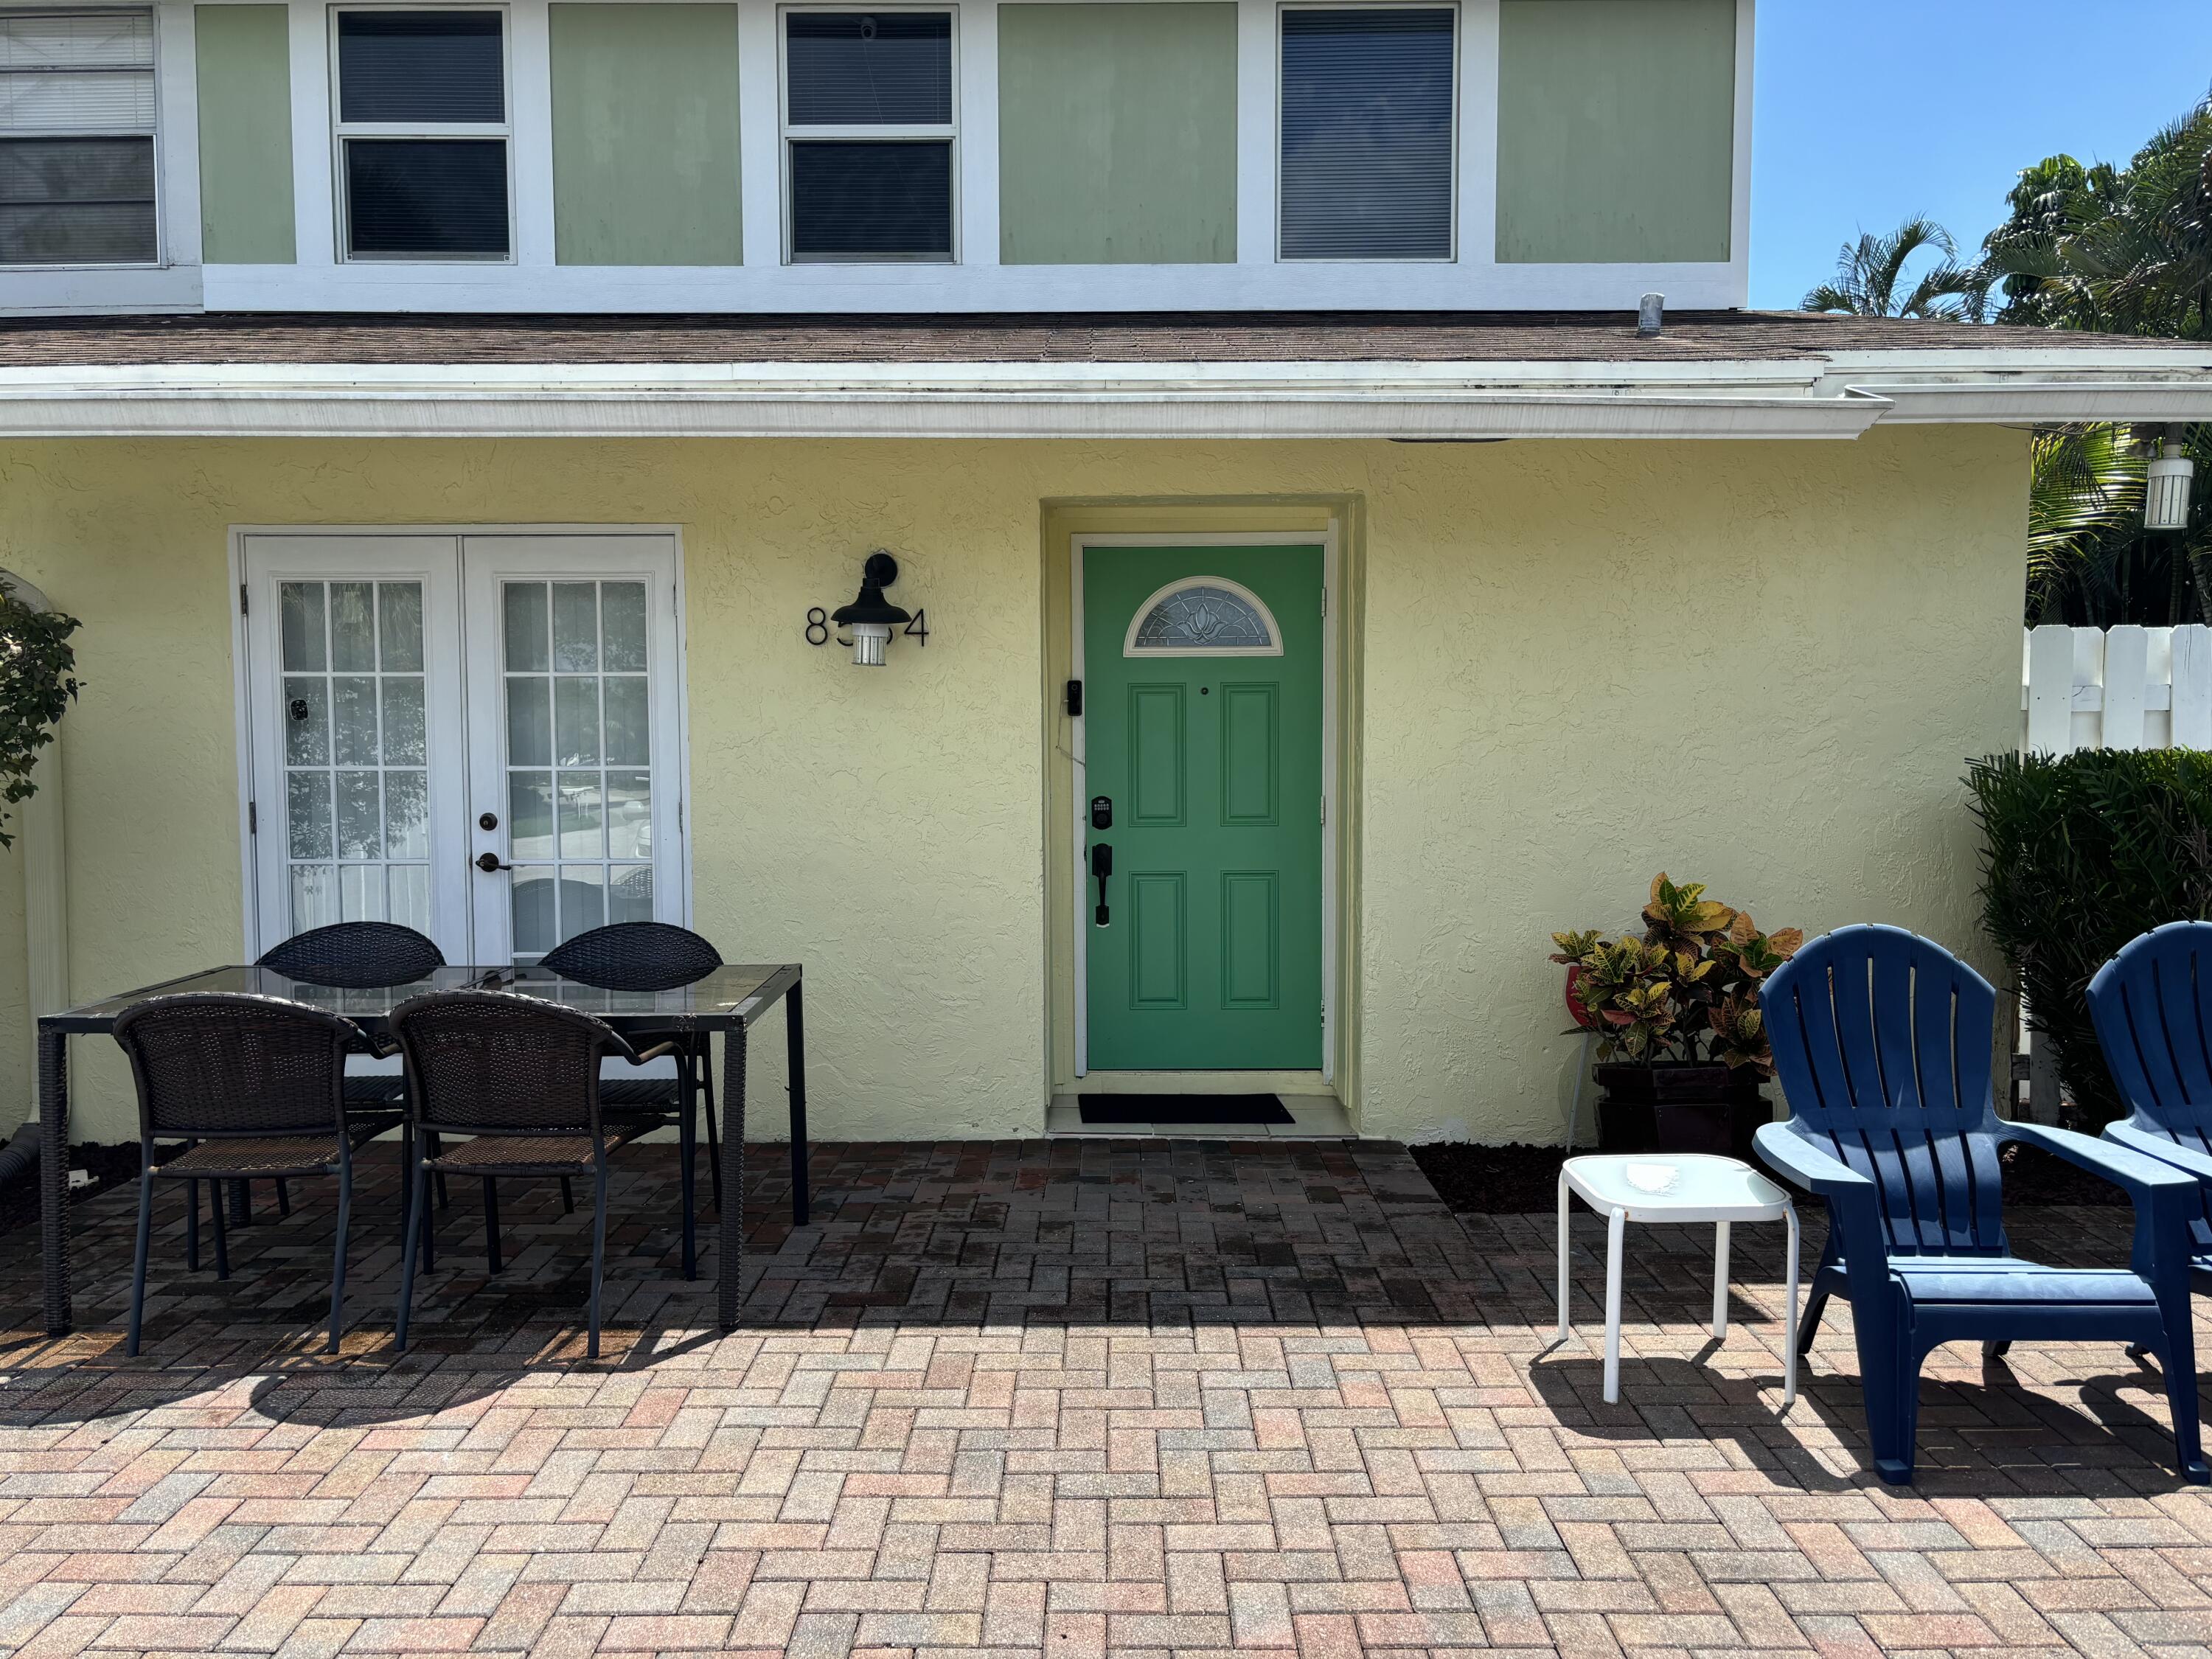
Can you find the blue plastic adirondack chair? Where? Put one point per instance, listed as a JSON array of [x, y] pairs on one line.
[[2152, 1004], [1883, 1042]]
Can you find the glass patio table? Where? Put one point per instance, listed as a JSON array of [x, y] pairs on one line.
[[730, 999]]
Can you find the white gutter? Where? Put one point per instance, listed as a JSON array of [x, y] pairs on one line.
[[2030, 385], [1838, 396], [936, 400]]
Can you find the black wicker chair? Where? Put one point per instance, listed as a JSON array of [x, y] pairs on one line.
[[355, 956], [358, 956], [521, 1078], [253, 1086], [656, 956]]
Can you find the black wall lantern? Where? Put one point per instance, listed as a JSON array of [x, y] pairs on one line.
[[870, 616]]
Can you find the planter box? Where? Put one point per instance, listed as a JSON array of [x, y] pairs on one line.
[[1678, 1107]]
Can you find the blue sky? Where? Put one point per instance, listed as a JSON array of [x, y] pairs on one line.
[[1865, 115]]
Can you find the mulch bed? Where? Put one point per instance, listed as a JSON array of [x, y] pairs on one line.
[[1524, 1180]]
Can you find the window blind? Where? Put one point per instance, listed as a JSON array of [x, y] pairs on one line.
[[869, 200], [858, 69], [419, 67], [76, 138], [426, 196], [1367, 134]]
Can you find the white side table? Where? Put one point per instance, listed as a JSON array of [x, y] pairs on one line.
[[1675, 1187]]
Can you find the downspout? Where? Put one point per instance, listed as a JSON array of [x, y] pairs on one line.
[[41, 840]]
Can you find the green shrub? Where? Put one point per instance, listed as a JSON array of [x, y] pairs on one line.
[[2082, 853]]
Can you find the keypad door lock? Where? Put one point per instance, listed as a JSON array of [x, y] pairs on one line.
[[1101, 813]]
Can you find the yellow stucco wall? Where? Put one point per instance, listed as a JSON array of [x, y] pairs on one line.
[[1757, 664]]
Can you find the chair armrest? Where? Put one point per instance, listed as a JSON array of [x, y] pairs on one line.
[[2192, 1159], [640, 1057], [1854, 1206], [2164, 1199], [1806, 1164], [2138, 1173]]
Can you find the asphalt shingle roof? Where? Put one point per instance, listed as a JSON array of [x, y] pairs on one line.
[[1174, 338]]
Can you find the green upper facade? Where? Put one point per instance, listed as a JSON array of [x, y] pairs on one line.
[[978, 155]]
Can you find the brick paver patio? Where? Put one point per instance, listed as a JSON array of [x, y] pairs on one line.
[[1074, 1397]]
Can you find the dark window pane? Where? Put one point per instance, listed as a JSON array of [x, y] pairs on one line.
[[863, 69], [420, 66], [858, 201], [76, 201], [427, 195], [1367, 134]]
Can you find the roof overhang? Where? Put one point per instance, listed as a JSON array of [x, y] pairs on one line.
[[1835, 396]]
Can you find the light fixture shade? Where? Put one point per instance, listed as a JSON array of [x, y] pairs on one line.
[[869, 639], [2166, 492]]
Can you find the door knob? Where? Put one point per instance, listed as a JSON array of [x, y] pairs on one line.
[[489, 862]]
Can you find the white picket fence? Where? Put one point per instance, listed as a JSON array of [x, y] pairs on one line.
[[2121, 688], [2095, 688]]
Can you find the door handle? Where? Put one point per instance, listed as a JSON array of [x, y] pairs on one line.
[[489, 862], [1102, 865]]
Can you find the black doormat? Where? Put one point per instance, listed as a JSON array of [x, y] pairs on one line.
[[1183, 1109]]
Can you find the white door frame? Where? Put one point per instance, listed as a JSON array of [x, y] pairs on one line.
[[1081, 800], [243, 657]]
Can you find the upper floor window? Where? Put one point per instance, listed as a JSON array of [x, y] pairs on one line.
[[76, 138], [868, 135], [422, 134], [1367, 133]]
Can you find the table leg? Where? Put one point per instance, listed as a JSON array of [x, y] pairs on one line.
[[1615, 1227], [1561, 1334], [1720, 1280], [729, 1215], [53, 1179], [1790, 1316], [794, 1043]]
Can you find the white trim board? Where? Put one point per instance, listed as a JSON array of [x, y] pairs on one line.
[[1332, 586]]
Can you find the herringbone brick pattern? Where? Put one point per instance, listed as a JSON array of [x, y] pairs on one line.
[[1071, 1397]]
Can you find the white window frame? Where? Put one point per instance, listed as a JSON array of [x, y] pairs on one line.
[[342, 130], [786, 135], [1450, 256], [153, 132]]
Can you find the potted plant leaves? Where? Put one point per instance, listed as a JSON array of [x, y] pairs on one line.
[[1682, 1047]]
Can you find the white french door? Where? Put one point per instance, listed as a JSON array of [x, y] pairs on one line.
[[570, 644], [417, 703]]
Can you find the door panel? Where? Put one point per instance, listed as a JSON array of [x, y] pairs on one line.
[[1159, 774], [354, 704], [1251, 923], [572, 642], [1203, 680], [1159, 939]]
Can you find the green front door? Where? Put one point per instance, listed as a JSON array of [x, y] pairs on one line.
[[1202, 717]]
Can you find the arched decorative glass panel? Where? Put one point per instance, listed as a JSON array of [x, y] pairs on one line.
[[1203, 616]]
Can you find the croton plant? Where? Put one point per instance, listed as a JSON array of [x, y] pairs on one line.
[[1687, 990]]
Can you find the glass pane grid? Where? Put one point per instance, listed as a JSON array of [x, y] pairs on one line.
[[578, 758], [357, 811]]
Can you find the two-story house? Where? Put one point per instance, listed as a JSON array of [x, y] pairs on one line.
[[457, 425]]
